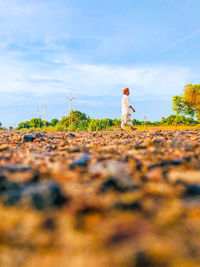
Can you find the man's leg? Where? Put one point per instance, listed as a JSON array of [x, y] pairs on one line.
[[129, 122], [123, 122], [122, 125]]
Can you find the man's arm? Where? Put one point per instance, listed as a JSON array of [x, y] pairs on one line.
[[132, 108], [128, 104]]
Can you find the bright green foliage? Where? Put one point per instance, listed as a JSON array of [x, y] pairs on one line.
[[97, 125], [188, 103], [108, 122], [72, 127], [192, 97], [180, 106], [54, 122], [116, 122], [59, 127], [46, 123], [64, 122], [77, 116], [83, 125], [179, 120], [137, 122], [80, 122], [24, 125], [36, 123]]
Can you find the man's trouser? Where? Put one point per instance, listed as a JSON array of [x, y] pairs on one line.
[[126, 119]]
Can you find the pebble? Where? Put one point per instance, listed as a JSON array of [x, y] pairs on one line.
[[188, 176], [115, 184], [192, 190], [28, 138], [4, 147], [70, 135], [82, 161]]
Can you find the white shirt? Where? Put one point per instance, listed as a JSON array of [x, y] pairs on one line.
[[125, 105]]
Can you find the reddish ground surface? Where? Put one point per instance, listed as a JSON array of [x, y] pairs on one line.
[[100, 199]]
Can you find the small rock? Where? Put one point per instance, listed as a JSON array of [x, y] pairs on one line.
[[81, 162], [176, 162], [156, 134], [37, 140], [190, 177], [28, 138], [45, 195], [132, 206], [16, 138], [4, 147], [119, 185], [192, 191], [70, 135], [42, 195], [12, 168]]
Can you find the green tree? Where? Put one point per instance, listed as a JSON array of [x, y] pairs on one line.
[[72, 127], [116, 122], [192, 98], [23, 125], [77, 116], [136, 122], [188, 103], [93, 125], [179, 120], [97, 125], [83, 125], [36, 123], [54, 122], [64, 122]]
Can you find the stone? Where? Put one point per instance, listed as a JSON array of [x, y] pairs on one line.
[[4, 147], [187, 176], [70, 135], [82, 161], [116, 184], [28, 138]]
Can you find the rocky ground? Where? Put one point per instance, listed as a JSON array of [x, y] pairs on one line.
[[98, 199]]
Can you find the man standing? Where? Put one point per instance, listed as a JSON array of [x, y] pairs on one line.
[[126, 113]]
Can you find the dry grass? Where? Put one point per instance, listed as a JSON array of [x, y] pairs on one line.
[[171, 127]]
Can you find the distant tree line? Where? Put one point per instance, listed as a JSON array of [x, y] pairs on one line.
[[36, 123], [78, 121]]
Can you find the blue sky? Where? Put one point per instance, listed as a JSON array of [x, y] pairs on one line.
[[96, 48]]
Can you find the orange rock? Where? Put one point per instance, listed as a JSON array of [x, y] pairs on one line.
[[3, 147], [37, 140], [16, 138]]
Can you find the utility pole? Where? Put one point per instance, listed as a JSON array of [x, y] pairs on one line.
[[45, 115], [39, 116], [145, 122], [70, 98]]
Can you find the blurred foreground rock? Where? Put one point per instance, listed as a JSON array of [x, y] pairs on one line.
[[100, 199]]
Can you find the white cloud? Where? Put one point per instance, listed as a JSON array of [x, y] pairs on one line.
[[26, 23], [18, 75]]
